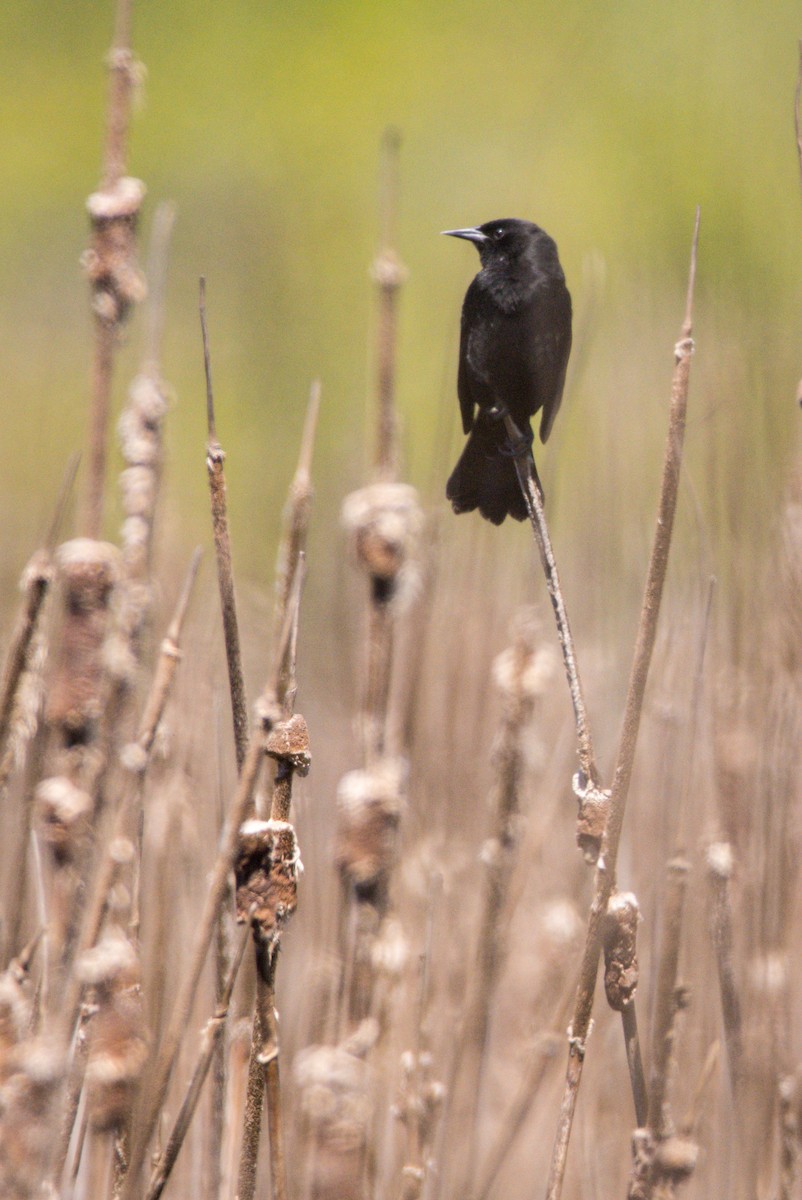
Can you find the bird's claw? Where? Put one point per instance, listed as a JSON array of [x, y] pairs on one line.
[[518, 447]]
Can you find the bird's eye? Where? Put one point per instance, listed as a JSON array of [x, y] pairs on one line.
[[498, 232]]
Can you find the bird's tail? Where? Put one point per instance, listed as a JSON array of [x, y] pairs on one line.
[[485, 476]]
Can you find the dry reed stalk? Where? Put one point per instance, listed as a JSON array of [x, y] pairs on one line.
[[524, 466], [541, 1056], [384, 523], [268, 1056], [666, 1006], [152, 1099], [720, 866], [224, 951], [210, 1038], [119, 848], [522, 674], [263, 1072], [789, 1113], [110, 263], [296, 526], [605, 881], [421, 1096], [18, 719], [136, 758], [389, 274], [267, 869], [621, 975], [22, 732], [662, 1159], [35, 585], [215, 458], [140, 433]]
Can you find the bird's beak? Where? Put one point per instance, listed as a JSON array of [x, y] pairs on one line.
[[471, 235]]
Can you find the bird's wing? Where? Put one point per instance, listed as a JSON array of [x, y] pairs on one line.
[[553, 349], [467, 401], [476, 336]]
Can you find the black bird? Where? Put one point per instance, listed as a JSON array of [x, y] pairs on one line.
[[514, 345]]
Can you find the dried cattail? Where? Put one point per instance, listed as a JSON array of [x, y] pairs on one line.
[[62, 811], [675, 1159], [266, 868], [140, 434], [369, 811], [288, 742], [525, 669], [118, 1042], [15, 1011], [620, 949], [720, 860], [389, 952], [643, 1150], [139, 427], [28, 1097], [421, 1096], [384, 521], [336, 1104], [110, 261], [88, 571], [388, 271], [591, 821]]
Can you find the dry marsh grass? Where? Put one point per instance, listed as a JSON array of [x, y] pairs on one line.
[[425, 986]]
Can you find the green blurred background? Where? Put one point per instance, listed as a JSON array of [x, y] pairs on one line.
[[606, 124]]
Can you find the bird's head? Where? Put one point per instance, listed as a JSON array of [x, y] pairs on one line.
[[504, 240]]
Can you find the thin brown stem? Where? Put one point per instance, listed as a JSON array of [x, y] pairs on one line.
[[36, 583], [108, 316], [296, 527], [98, 427], [790, 1141], [541, 1057], [168, 661], [720, 866], [100, 888], [629, 1022], [121, 84], [263, 1064], [389, 274], [152, 1101], [210, 1039], [524, 467], [512, 670], [215, 458], [269, 1058], [606, 871], [665, 1010]]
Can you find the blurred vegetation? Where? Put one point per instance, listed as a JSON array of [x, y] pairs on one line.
[[606, 124]]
